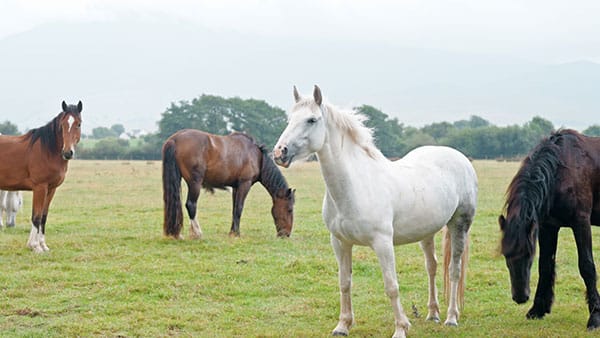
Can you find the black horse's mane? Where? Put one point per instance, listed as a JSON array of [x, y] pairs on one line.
[[47, 134], [270, 175], [531, 192]]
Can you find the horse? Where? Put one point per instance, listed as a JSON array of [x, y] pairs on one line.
[[375, 202], [215, 162], [556, 186], [10, 204], [37, 161]]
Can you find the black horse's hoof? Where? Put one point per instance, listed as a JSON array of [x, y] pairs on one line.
[[536, 314], [594, 321]]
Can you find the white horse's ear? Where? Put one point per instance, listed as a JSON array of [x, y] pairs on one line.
[[317, 95], [297, 96]]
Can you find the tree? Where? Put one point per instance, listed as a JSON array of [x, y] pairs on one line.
[[388, 132], [222, 116], [438, 130], [103, 132], [118, 129], [7, 128], [473, 122], [593, 130]]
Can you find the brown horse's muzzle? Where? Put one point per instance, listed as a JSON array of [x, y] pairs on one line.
[[67, 154]]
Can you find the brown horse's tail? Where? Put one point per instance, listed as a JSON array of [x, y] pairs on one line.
[[464, 260], [171, 176]]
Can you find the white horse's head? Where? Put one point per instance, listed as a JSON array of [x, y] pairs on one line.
[[306, 131]]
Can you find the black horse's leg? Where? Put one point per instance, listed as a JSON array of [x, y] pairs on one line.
[[544, 294], [194, 186], [587, 269], [239, 196]]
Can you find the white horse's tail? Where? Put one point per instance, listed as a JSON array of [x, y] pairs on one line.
[[464, 260]]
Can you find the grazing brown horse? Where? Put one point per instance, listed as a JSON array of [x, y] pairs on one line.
[[212, 161], [38, 161], [557, 186]]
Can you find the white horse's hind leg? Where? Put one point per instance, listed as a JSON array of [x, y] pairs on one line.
[[343, 253], [458, 239], [384, 249], [195, 231], [33, 243], [428, 247]]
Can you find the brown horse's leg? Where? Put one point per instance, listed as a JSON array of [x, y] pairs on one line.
[[194, 187], [42, 237], [39, 201], [239, 196]]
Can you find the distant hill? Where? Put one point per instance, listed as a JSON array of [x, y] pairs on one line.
[[129, 72]]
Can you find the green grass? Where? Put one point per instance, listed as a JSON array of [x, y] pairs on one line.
[[110, 272]]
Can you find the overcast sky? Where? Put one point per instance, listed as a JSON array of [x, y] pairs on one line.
[[540, 30]]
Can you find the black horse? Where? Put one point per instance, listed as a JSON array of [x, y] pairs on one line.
[[558, 185]]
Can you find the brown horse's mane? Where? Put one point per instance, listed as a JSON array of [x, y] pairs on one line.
[[48, 134], [531, 192]]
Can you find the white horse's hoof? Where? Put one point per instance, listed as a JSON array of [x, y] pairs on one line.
[[399, 334], [451, 323], [435, 319], [36, 248], [337, 333]]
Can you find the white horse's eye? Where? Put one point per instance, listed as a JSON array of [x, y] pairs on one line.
[[311, 120]]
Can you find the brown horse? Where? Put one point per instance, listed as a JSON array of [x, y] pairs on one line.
[[212, 161], [38, 161], [556, 186]]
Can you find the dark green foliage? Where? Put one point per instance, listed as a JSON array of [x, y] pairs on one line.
[[593, 130], [222, 116], [7, 128]]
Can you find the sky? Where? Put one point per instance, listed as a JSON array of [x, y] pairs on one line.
[[532, 31], [548, 31]]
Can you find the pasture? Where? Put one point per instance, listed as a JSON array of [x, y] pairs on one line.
[[110, 271]]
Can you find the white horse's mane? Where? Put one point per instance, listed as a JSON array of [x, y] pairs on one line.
[[348, 121]]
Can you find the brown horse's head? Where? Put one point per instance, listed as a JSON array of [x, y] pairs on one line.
[[70, 124], [283, 211]]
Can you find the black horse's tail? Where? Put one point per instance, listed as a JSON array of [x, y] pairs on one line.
[[531, 192], [171, 176]]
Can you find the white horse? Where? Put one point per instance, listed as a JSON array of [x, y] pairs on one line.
[[10, 204], [375, 202]]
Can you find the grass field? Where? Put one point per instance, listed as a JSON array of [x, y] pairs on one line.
[[110, 272]]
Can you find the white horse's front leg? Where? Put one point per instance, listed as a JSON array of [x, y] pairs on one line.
[[343, 253], [428, 247], [384, 248]]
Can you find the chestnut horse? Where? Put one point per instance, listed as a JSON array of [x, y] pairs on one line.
[[212, 161], [556, 186], [38, 161]]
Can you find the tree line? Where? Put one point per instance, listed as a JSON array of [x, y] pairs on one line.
[[475, 137]]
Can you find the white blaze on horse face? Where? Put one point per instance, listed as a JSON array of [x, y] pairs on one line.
[[70, 121]]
